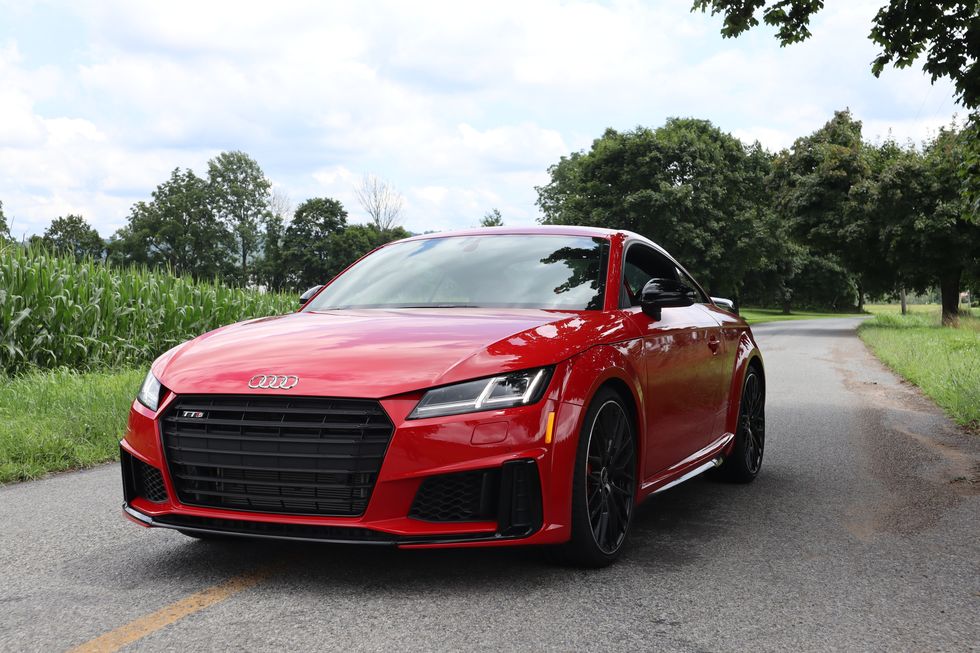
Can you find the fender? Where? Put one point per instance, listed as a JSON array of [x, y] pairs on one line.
[[587, 372], [746, 352]]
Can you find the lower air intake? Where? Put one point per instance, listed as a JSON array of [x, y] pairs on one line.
[[141, 480], [509, 494], [467, 496]]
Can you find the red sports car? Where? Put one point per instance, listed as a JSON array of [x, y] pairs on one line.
[[481, 388]]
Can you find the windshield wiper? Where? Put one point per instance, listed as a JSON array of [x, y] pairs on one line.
[[355, 307], [437, 306]]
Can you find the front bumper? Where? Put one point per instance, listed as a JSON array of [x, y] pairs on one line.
[[529, 501]]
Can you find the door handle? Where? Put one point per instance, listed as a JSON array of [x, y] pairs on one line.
[[713, 344]]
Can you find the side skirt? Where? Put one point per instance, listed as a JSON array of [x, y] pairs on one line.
[[694, 465]]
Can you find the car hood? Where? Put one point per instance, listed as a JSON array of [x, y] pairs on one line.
[[380, 353]]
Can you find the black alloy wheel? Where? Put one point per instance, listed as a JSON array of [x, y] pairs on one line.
[[742, 465], [604, 485], [609, 476]]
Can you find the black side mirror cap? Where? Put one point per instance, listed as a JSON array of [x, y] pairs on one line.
[[727, 304], [305, 297], [664, 293]]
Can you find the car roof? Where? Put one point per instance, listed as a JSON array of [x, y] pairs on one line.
[[553, 230]]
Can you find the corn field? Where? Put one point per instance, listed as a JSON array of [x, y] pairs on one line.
[[59, 312]]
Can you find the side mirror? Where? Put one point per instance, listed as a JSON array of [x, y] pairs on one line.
[[664, 293], [727, 304], [305, 297]]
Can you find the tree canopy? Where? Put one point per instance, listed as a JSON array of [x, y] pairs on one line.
[[71, 234], [492, 218], [822, 224], [814, 185], [176, 229], [947, 31], [239, 196], [310, 244], [687, 185], [930, 227]]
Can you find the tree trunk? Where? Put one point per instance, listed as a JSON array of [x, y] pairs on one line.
[[902, 296], [244, 265], [949, 287], [860, 296]]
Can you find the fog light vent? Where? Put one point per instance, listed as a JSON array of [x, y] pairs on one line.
[[149, 482], [465, 496]]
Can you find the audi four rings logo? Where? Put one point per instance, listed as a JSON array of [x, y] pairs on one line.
[[273, 381]]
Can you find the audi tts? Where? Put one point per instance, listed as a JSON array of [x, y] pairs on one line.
[[490, 387]]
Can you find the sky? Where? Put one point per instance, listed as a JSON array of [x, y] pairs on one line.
[[460, 106]]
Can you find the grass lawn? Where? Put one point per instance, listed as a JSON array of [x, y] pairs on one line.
[[757, 315], [943, 362], [58, 420]]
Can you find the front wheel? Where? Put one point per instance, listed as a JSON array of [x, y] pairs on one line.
[[742, 465], [604, 484]]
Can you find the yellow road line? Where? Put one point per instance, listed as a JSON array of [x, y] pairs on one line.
[[143, 626]]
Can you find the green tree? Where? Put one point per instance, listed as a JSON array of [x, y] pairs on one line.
[[492, 218], [816, 186], [273, 268], [176, 229], [933, 235], [310, 245], [948, 31], [72, 235], [239, 196], [358, 239], [689, 186], [970, 170]]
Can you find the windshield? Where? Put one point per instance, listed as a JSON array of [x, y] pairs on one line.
[[507, 271]]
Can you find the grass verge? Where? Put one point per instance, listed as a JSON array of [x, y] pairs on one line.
[[943, 362], [757, 315], [56, 420]]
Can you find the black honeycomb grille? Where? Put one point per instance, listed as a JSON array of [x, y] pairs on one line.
[[149, 482], [290, 455], [466, 496]]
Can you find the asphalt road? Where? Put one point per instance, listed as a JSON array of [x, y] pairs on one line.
[[861, 533]]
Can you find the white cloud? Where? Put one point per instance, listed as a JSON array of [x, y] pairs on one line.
[[462, 107]]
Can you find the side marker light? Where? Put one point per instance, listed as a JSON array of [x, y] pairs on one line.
[[550, 431]]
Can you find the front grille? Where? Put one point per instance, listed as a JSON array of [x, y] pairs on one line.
[[464, 496], [291, 455]]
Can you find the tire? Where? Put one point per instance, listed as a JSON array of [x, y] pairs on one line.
[[600, 527], [742, 465]]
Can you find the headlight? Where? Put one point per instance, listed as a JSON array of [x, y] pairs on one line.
[[505, 391], [149, 394]]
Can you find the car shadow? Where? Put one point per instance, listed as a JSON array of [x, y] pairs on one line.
[[667, 530]]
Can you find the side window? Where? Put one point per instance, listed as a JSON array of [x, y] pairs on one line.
[[689, 282], [642, 264]]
